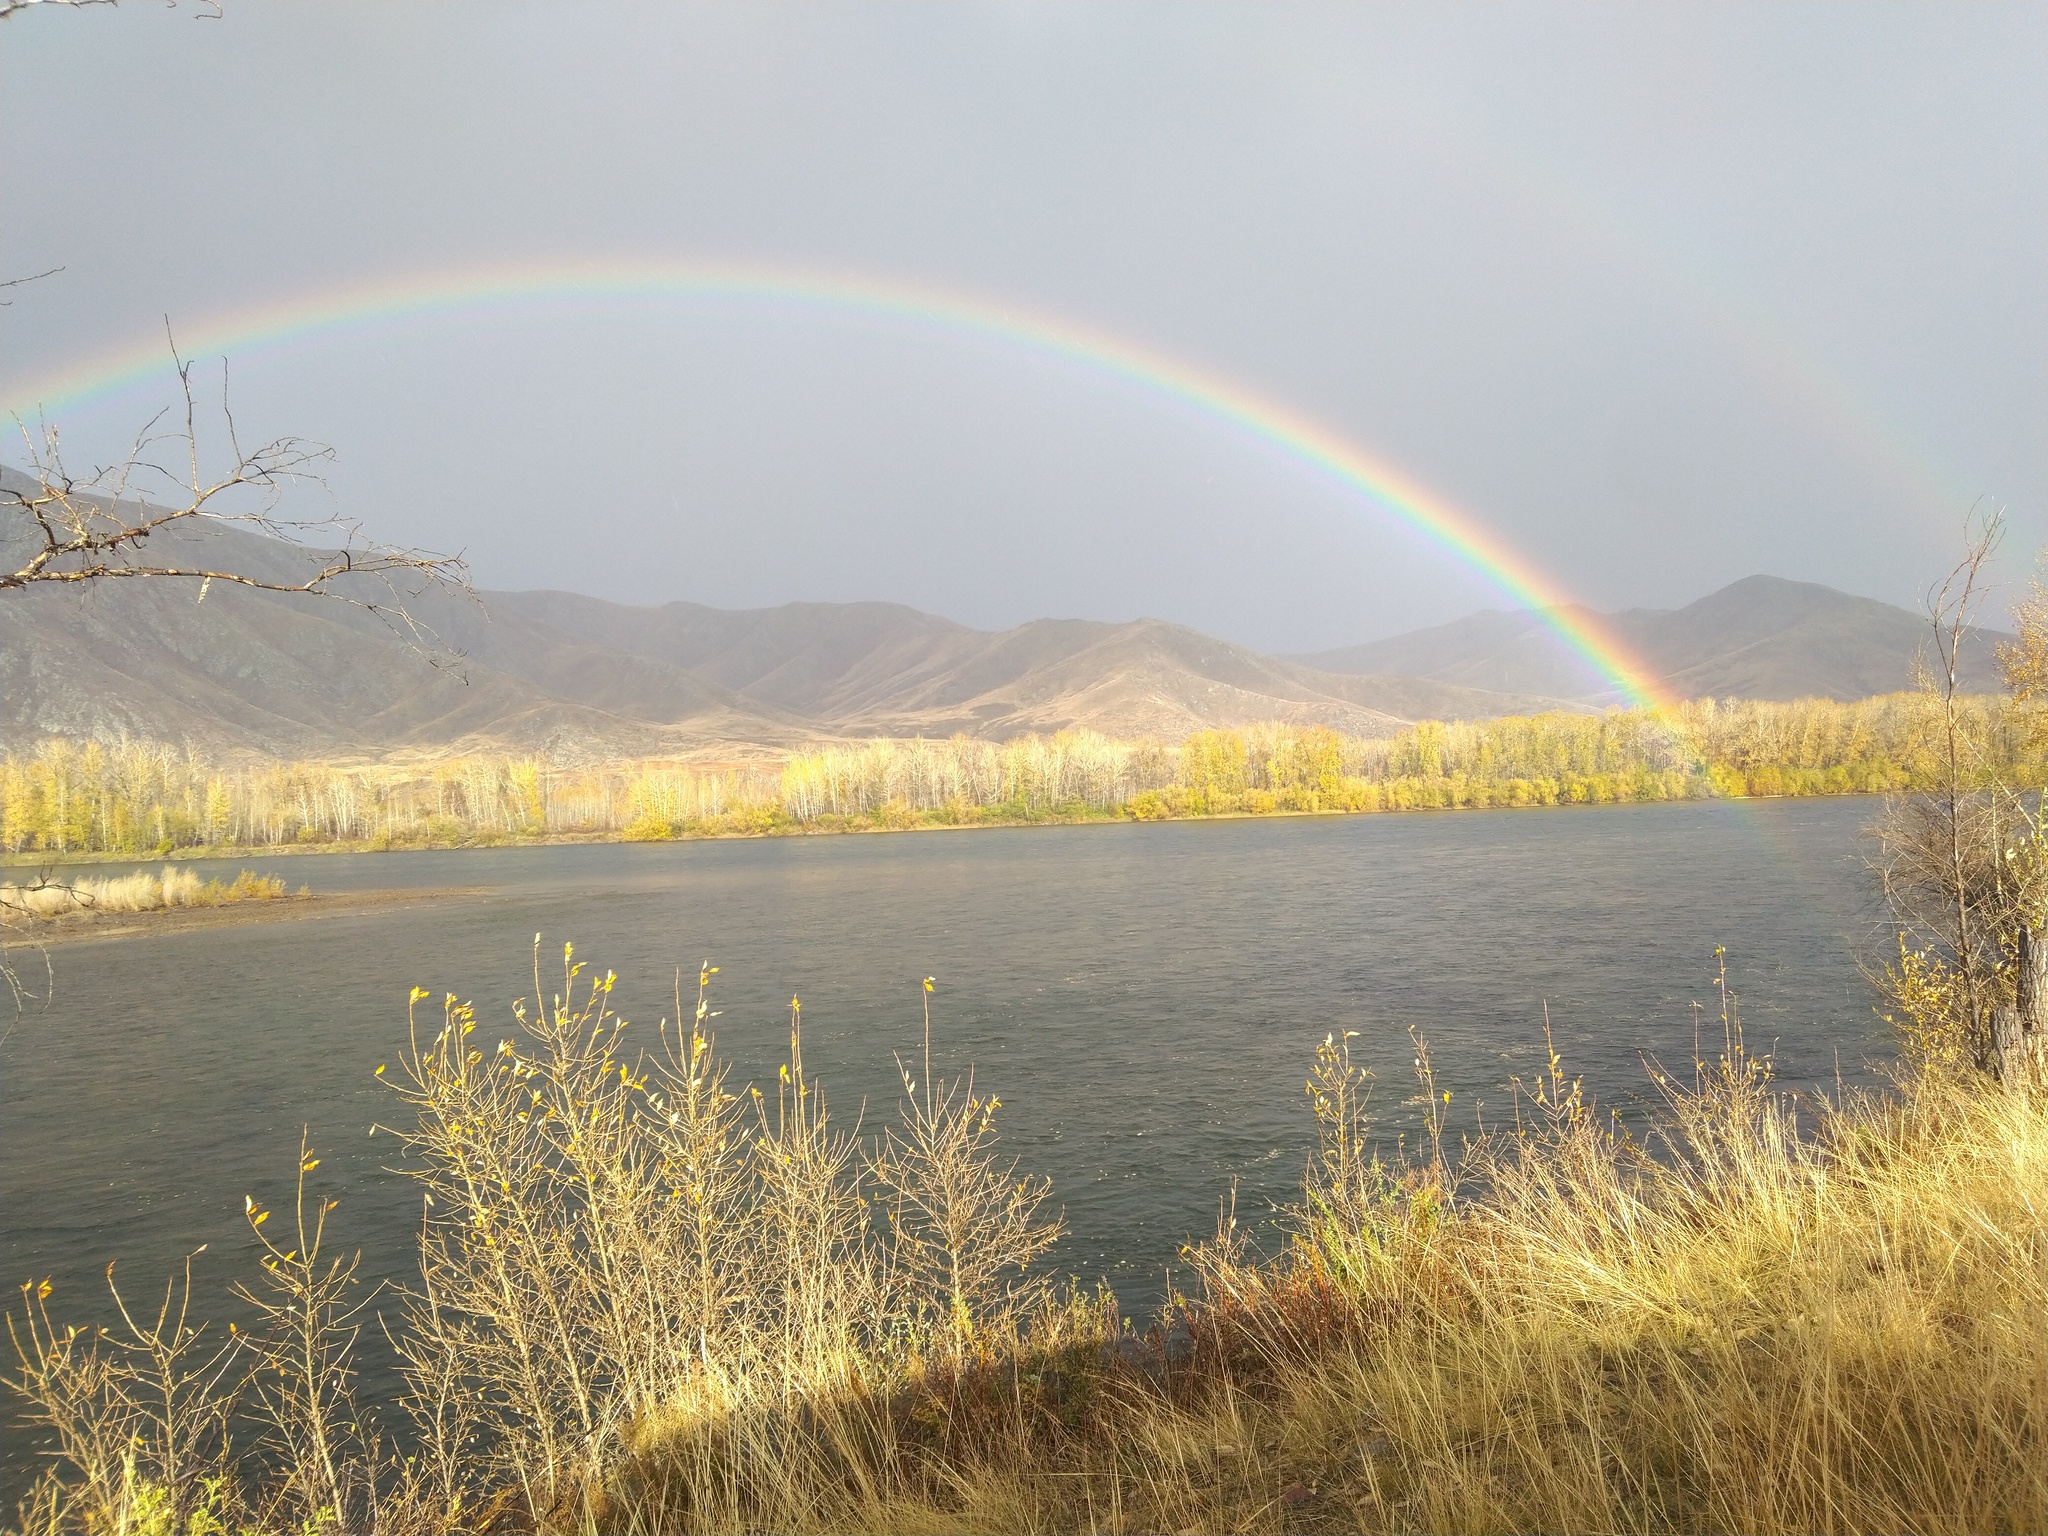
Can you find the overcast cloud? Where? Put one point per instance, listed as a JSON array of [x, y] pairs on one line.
[[1663, 295]]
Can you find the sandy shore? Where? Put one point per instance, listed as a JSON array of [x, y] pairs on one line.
[[85, 927]]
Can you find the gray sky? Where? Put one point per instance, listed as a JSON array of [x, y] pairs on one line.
[[1662, 295]]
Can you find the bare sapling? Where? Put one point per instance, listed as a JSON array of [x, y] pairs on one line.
[[699, 1126], [963, 1222], [1346, 1191], [520, 1351], [815, 1244], [1964, 865], [2022, 1042], [309, 1307], [139, 1414]]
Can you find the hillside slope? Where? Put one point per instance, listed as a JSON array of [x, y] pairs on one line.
[[249, 671], [578, 678], [1759, 638], [880, 668]]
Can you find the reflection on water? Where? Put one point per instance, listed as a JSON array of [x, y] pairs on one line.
[[1145, 999]]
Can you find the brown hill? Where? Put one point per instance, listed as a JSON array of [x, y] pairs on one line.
[[249, 671], [1758, 638], [578, 678], [883, 669]]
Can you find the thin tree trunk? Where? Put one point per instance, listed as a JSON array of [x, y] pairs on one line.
[[2020, 1033]]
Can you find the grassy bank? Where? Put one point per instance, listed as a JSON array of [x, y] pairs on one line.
[[652, 1299], [137, 799], [167, 890]]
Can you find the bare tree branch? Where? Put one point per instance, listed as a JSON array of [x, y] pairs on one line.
[[69, 530], [33, 277], [209, 10]]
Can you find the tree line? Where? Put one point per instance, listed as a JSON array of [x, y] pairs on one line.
[[141, 797]]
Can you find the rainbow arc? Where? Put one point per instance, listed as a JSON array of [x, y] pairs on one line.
[[1207, 394]]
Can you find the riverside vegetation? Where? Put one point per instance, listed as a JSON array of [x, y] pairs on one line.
[[138, 797], [650, 1299]]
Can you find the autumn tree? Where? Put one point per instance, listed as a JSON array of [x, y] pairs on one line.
[[1964, 864]]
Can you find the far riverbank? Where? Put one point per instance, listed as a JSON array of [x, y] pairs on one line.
[[67, 802], [884, 820]]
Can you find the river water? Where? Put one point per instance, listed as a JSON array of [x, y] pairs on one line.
[[1146, 999]]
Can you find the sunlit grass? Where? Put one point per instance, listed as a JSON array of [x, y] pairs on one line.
[[146, 890]]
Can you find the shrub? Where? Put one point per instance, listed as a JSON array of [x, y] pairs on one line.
[[444, 831]]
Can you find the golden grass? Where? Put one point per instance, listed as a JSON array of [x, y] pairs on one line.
[[1764, 1328], [649, 1304], [144, 891]]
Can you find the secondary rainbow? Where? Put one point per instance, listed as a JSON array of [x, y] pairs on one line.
[[424, 296]]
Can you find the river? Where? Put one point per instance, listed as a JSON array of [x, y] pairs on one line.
[[1146, 999]]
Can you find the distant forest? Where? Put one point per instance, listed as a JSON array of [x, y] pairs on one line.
[[150, 798]]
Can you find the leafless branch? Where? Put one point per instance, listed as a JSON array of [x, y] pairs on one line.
[[19, 991], [33, 277], [209, 10], [69, 530]]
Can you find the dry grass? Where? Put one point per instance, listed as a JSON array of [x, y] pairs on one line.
[[1757, 1330], [1763, 1328], [144, 891], [649, 1303]]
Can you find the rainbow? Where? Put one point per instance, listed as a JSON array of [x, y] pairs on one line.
[[1207, 394]]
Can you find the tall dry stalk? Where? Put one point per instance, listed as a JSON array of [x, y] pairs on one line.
[[813, 1246], [700, 1128], [301, 1391]]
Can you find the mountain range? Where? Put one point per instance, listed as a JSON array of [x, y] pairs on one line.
[[1757, 638], [247, 672]]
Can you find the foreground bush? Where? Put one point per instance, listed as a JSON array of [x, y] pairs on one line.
[[650, 1303]]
